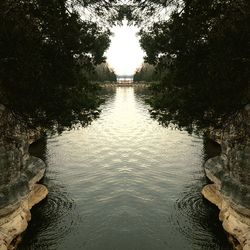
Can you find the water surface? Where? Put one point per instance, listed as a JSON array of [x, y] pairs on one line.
[[124, 183]]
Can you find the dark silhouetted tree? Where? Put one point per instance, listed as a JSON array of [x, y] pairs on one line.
[[203, 50], [45, 51]]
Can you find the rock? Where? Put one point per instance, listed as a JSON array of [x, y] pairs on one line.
[[230, 175], [20, 174], [234, 223], [12, 225]]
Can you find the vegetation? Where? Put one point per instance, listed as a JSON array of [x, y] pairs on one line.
[[200, 49], [45, 51], [103, 73], [146, 73], [203, 51]]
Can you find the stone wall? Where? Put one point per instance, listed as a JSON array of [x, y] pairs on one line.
[[230, 176], [20, 173]]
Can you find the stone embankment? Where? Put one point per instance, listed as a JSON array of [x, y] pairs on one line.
[[230, 177], [20, 174]]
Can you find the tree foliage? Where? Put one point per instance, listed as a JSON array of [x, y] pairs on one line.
[[103, 73], [203, 50], [104, 12], [45, 51], [146, 73]]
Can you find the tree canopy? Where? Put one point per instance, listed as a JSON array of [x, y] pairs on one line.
[[46, 48], [146, 73], [103, 73], [200, 49], [203, 51]]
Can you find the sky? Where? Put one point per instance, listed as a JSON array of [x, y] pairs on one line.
[[125, 54]]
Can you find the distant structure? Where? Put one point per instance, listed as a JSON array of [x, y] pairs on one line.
[[125, 79]]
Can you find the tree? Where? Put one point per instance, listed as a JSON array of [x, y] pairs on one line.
[[203, 50], [103, 73], [45, 51], [145, 73]]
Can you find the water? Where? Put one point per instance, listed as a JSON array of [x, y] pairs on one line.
[[124, 183]]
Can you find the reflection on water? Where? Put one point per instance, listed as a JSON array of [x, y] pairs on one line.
[[125, 183]]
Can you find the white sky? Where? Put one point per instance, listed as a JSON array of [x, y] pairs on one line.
[[124, 54]]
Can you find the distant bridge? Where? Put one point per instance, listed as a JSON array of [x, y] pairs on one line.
[[125, 79]]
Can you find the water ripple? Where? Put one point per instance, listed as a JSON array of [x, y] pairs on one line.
[[126, 183]]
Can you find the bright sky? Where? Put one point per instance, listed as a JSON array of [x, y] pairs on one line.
[[124, 54]]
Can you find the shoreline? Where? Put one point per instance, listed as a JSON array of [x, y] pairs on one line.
[[13, 224], [236, 224]]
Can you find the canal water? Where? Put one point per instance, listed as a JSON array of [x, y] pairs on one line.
[[124, 183]]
